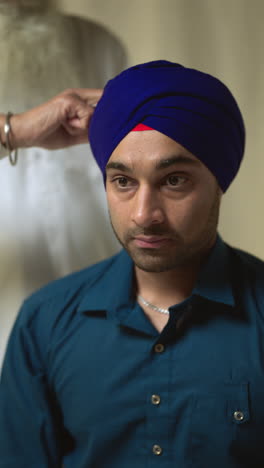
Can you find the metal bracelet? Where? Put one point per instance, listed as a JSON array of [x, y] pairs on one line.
[[7, 130]]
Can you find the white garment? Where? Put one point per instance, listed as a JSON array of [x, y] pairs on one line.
[[53, 211]]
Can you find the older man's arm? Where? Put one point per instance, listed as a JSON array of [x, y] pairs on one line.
[[58, 123]]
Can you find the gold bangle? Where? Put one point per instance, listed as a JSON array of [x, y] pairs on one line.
[[7, 130]]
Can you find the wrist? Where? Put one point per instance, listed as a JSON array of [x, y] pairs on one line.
[[12, 134], [8, 140], [13, 137]]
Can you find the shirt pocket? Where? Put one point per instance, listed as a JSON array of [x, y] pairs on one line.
[[219, 413]]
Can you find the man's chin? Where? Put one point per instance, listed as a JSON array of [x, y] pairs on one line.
[[154, 262], [158, 268]]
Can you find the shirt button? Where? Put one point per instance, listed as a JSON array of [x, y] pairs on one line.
[[239, 415], [155, 399], [159, 348], [157, 450]]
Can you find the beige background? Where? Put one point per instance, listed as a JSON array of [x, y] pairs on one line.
[[222, 37]]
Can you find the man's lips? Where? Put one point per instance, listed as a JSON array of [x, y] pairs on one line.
[[151, 242]]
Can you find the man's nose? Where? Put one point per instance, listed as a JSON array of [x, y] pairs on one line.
[[147, 207]]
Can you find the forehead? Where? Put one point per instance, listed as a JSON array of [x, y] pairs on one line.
[[150, 147]]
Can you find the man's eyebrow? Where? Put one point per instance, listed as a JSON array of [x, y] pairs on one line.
[[180, 159], [118, 165], [162, 164]]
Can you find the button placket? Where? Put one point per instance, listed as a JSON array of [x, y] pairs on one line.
[[155, 399], [159, 348], [156, 449], [158, 420], [239, 415]]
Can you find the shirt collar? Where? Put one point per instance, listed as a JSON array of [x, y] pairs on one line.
[[113, 292], [215, 278]]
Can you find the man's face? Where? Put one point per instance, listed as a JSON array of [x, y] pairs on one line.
[[163, 201]]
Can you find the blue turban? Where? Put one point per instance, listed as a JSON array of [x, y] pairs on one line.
[[191, 107]]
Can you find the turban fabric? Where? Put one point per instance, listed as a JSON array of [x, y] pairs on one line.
[[191, 107]]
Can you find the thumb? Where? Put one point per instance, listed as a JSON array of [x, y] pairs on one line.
[[79, 122]]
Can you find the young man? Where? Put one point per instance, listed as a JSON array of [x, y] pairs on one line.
[[153, 357]]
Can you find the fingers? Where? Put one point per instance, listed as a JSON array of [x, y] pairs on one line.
[[64, 118], [86, 93], [90, 96], [80, 120], [75, 128], [81, 106]]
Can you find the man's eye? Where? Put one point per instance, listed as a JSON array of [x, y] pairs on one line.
[[121, 182], [175, 180]]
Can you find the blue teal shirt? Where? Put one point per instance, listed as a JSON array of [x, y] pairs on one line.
[[88, 382]]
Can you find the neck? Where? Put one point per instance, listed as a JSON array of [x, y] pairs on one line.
[[166, 288]]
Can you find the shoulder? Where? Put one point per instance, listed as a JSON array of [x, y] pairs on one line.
[[249, 262], [73, 283], [56, 301], [53, 310], [250, 272]]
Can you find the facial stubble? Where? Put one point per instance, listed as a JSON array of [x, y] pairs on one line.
[[180, 252]]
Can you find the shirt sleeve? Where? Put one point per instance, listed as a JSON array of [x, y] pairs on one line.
[[29, 418]]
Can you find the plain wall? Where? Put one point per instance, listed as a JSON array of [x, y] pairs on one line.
[[222, 37]]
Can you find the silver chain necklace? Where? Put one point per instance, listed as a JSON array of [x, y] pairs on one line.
[[152, 306]]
